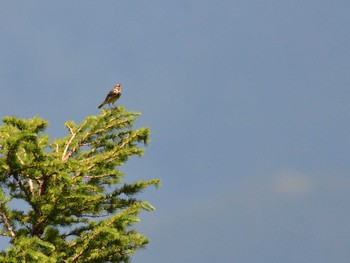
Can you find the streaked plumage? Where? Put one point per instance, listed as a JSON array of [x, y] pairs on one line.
[[113, 95]]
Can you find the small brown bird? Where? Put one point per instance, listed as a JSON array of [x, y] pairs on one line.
[[112, 96]]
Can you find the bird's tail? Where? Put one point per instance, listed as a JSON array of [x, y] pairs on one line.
[[100, 106]]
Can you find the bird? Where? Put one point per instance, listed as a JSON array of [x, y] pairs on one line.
[[112, 96]]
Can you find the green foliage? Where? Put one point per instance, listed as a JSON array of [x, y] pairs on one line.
[[79, 210]]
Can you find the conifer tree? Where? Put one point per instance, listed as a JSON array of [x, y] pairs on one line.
[[77, 207]]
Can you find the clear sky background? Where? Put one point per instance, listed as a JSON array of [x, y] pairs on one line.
[[248, 105]]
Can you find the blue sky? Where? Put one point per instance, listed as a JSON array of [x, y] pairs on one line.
[[247, 101]]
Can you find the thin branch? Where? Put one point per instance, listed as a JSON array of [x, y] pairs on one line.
[[41, 187], [64, 158], [86, 240], [23, 187], [31, 186], [78, 145], [70, 129], [7, 224], [30, 182], [128, 139], [86, 144], [19, 158], [92, 177], [56, 147], [88, 159], [112, 125]]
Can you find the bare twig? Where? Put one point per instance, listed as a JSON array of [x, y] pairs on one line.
[[78, 145], [7, 224], [64, 157], [70, 129]]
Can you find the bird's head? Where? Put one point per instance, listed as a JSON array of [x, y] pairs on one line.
[[117, 87]]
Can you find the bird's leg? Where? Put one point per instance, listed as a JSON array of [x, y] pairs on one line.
[[115, 107]]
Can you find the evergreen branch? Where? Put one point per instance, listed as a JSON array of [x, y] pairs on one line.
[[92, 176], [112, 125], [82, 142], [7, 223], [86, 246], [38, 227], [86, 240], [86, 160], [22, 187], [128, 139]]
